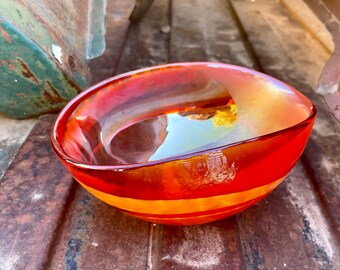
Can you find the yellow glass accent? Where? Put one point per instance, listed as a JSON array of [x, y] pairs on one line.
[[225, 117], [182, 219], [183, 206]]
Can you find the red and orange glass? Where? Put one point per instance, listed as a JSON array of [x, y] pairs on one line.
[[183, 143]]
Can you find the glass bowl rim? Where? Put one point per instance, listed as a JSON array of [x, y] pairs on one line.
[[73, 103]]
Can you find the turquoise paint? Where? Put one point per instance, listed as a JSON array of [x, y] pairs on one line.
[[31, 83], [96, 35]]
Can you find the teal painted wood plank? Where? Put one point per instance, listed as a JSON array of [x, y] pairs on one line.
[[31, 82]]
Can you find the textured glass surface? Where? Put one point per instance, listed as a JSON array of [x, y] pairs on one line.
[[184, 143]]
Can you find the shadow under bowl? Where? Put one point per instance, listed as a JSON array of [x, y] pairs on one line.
[[183, 143]]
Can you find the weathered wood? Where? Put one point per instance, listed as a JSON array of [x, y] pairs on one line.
[[302, 14], [177, 244], [12, 134], [323, 150], [147, 42], [208, 246], [48, 221], [288, 229], [33, 196], [280, 43], [321, 155], [206, 31], [117, 25], [334, 6], [96, 234]]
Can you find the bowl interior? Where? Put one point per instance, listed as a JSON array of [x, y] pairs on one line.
[[169, 111]]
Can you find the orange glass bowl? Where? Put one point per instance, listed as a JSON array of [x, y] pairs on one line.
[[183, 143]]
